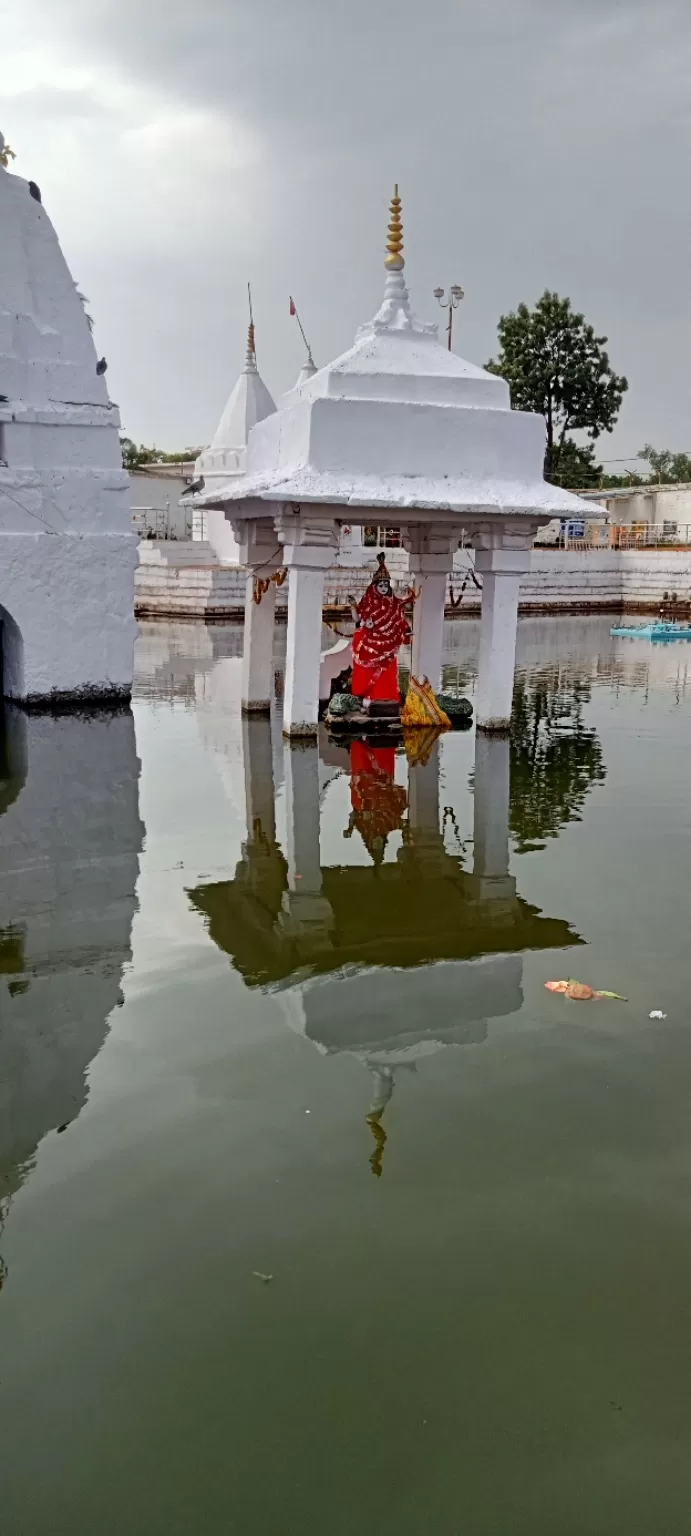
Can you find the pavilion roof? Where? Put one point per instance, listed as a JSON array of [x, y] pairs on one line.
[[397, 423]]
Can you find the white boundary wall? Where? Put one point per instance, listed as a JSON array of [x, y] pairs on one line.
[[184, 580]]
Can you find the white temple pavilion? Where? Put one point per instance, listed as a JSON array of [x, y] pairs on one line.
[[397, 430]]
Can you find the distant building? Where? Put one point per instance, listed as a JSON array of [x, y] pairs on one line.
[[157, 507], [664, 506]]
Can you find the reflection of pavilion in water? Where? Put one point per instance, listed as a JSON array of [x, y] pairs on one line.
[[71, 837], [333, 940]]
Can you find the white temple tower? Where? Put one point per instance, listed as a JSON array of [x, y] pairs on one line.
[[248, 403], [67, 548]]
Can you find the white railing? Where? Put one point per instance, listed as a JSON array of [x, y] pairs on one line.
[[597, 536], [162, 522]]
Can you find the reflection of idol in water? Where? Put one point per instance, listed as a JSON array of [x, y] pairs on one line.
[[379, 806], [378, 802]]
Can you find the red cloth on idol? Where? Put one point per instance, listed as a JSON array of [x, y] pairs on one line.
[[376, 682], [384, 628]]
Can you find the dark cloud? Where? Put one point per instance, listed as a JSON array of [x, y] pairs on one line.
[[536, 144]]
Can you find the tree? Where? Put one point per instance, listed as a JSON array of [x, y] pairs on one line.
[[134, 457], [667, 468], [577, 466], [556, 366]]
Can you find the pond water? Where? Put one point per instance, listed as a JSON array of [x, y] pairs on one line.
[[274, 1013]]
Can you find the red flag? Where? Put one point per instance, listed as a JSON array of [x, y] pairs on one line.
[[293, 310]]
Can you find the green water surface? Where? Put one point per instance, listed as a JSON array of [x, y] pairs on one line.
[[238, 1043]]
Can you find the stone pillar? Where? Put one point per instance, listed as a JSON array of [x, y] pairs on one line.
[[257, 655], [260, 551], [428, 626], [502, 558], [431, 549], [310, 545]]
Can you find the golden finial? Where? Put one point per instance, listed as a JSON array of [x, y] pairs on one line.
[[250, 339], [393, 260]]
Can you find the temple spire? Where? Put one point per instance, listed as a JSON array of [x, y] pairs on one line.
[[395, 313], [251, 354], [394, 261]]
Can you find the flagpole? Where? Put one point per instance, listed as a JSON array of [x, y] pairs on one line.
[[308, 349]]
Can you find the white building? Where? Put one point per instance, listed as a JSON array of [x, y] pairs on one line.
[[398, 432], [158, 510], [67, 548], [663, 507]]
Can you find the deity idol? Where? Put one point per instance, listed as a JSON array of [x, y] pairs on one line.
[[382, 628]]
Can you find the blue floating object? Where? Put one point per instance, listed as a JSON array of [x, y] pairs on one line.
[[658, 630]]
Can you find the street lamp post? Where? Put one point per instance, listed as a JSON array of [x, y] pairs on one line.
[[452, 303]]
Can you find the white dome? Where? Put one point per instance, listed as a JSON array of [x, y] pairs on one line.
[[249, 403]]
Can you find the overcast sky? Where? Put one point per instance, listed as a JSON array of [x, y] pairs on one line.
[[184, 146]]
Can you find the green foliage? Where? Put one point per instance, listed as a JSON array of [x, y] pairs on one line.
[[556, 366], [666, 468], [574, 466], [622, 482], [555, 757], [134, 457]]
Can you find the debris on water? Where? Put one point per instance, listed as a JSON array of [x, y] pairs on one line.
[[580, 992], [265, 1279], [308, 1111], [657, 1014]]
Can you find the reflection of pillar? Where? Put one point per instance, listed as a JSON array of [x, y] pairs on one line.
[[431, 558], [425, 840], [306, 914], [262, 867], [309, 550], [259, 550], [259, 779], [423, 794], [491, 816], [501, 559]]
